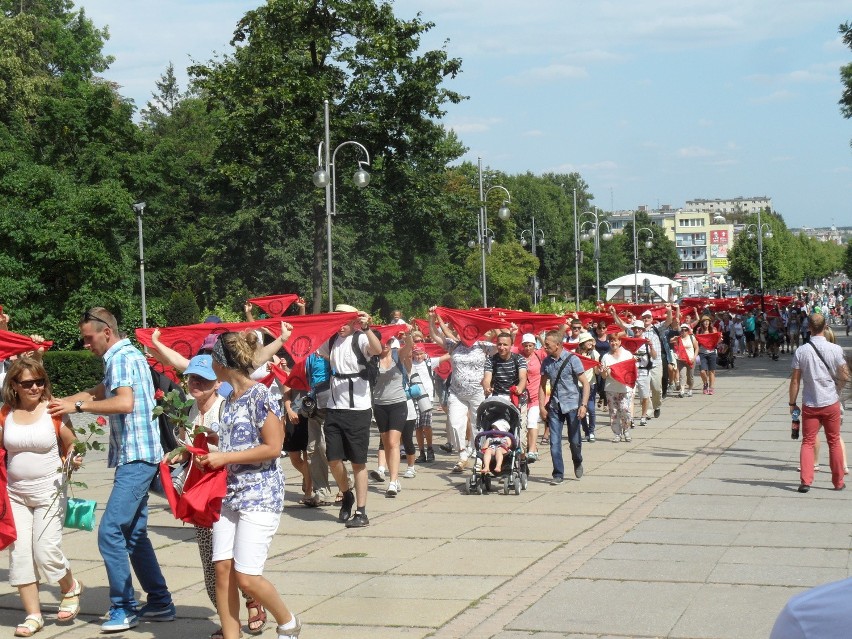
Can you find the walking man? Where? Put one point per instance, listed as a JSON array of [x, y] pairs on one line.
[[566, 403], [126, 397], [819, 367]]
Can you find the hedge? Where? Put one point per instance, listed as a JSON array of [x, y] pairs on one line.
[[72, 371]]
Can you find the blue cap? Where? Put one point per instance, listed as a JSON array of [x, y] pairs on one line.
[[201, 365]]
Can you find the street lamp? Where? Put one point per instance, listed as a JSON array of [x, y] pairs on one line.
[[760, 230], [536, 236], [482, 229], [325, 177], [648, 244], [594, 231], [139, 208]]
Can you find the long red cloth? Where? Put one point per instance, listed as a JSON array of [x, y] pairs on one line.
[[8, 533], [625, 372], [15, 344], [708, 340], [200, 503], [472, 325], [309, 332]]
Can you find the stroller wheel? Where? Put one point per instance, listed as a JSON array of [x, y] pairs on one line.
[[523, 480], [505, 485], [466, 488], [488, 483], [517, 484], [479, 490]]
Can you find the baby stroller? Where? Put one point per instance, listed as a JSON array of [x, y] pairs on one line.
[[514, 471], [725, 357]]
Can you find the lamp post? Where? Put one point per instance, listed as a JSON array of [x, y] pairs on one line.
[[648, 244], [536, 236], [482, 224], [326, 177], [595, 232], [760, 230], [139, 208]]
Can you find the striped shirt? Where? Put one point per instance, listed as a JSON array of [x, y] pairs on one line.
[[133, 436], [818, 386], [505, 373]]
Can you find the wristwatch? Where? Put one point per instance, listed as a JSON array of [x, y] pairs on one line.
[[78, 406]]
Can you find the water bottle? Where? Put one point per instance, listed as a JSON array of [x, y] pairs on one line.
[[797, 416]]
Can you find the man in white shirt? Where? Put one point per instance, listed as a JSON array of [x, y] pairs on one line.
[[350, 411]]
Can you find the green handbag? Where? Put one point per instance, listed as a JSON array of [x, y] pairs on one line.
[[80, 514]]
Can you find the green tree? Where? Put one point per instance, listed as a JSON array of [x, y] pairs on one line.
[[846, 73], [847, 259]]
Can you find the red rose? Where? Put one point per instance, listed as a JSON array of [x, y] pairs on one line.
[[101, 420], [159, 394]]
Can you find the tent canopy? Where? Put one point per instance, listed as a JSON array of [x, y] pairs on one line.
[[622, 287]]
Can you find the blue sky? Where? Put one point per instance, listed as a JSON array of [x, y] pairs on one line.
[[651, 101]]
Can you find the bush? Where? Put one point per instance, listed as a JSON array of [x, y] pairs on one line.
[[182, 309], [73, 371]]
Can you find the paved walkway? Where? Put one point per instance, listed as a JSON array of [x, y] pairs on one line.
[[694, 529]]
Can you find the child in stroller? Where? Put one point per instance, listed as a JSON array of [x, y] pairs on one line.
[[725, 355], [498, 448]]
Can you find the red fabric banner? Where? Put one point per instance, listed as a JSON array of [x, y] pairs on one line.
[[8, 533], [168, 371], [472, 325], [309, 332], [680, 351], [633, 344], [708, 340], [200, 503], [15, 344], [586, 318], [588, 362], [625, 372], [422, 326], [274, 305]]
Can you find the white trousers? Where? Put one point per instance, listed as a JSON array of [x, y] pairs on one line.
[[38, 548], [458, 413]]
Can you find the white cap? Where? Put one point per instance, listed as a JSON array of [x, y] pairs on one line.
[[638, 324], [648, 314], [500, 424], [686, 326], [528, 338]]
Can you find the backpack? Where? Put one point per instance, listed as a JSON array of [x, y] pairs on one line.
[[370, 370], [318, 374]]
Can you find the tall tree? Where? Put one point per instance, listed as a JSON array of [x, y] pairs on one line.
[[846, 73]]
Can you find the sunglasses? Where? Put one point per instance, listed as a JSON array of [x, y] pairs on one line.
[[89, 317], [29, 383], [418, 341]]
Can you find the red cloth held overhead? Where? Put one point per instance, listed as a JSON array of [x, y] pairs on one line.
[[586, 318], [625, 372], [309, 332], [274, 305], [422, 326], [15, 344], [633, 344], [587, 362], [471, 325]]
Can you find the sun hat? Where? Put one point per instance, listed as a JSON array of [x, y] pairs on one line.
[[528, 338], [345, 308], [585, 337]]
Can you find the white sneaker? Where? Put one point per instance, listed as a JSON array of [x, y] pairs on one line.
[[410, 472], [689, 393], [379, 474], [626, 435], [393, 489]]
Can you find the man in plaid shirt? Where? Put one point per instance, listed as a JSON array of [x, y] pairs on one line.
[[126, 396]]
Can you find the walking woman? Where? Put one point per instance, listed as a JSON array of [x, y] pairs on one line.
[[619, 396], [250, 440], [707, 356], [685, 347], [35, 445]]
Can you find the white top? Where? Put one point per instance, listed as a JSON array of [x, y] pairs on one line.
[[422, 370], [612, 385], [817, 613], [33, 454], [818, 386], [343, 360]]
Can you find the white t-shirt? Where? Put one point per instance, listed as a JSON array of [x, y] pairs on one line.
[[818, 613], [422, 370], [33, 454], [344, 361]]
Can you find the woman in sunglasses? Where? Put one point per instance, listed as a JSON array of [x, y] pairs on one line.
[[35, 445]]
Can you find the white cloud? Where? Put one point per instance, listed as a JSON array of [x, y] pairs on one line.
[[473, 125], [690, 152], [549, 73], [605, 166]]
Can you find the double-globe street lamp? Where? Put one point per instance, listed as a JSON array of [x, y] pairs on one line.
[[536, 238], [589, 230], [760, 230], [482, 229], [648, 244], [139, 208], [326, 177]]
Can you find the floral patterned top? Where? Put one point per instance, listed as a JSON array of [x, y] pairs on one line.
[[250, 487], [468, 367]]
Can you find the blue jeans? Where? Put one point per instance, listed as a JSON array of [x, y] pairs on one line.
[[555, 419], [589, 420], [123, 539]]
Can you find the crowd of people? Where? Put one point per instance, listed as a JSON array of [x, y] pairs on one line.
[[559, 380]]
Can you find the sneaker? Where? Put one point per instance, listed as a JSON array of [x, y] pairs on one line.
[[532, 457], [591, 437], [689, 393], [680, 394], [359, 520], [120, 619], [656, 412], [632, 425], [378, 475], [421, 458], [711, 391], [803, 488], [556, 481], [616, 439], [643, 421], [392, 491], [430, 456], [151, 612], [346, 506], [410, 472], [704, 391], [447, 448], [626, 436], [578, 471]]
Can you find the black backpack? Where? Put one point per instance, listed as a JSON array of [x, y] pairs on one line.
[[162, 382], [370, 370]]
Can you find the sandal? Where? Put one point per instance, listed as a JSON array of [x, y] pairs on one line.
[[258, 617], [70, 603], [310, 502], [218, 634], [31, 625]]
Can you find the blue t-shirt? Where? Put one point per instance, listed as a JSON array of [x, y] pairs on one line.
[[250, 487], [564, 391]]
